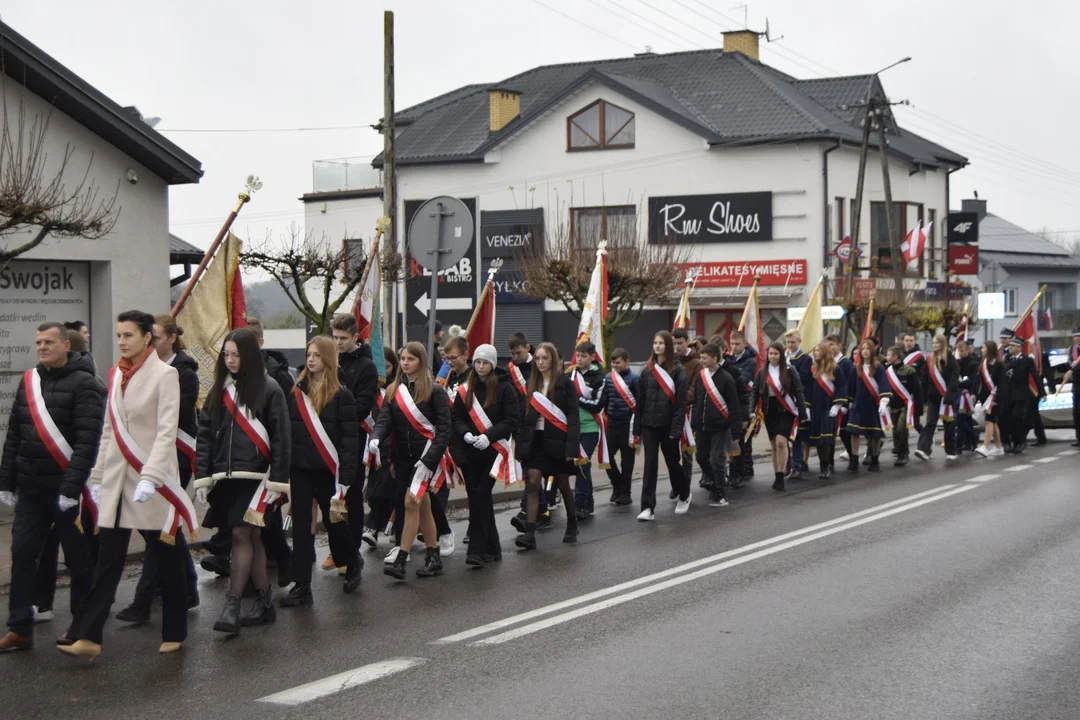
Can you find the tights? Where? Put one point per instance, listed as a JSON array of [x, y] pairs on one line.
[[248, 560], [532, 503]]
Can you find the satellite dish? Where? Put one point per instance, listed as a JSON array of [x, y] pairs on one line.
[[152, 121]]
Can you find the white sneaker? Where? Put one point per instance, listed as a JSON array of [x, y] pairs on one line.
[[371, 537], [683, 506], [950, 457], [646, 515], [42, 615], [844, 456], [982, 451], [921, 455], [997, 452], [446, 544], [391, 556]]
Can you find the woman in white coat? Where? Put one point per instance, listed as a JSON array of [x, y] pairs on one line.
[[136, 485]]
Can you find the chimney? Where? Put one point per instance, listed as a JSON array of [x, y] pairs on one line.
[[504, 105], [742, 41], [976, 206]]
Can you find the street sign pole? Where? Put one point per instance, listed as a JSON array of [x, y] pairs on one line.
[[438, 214]]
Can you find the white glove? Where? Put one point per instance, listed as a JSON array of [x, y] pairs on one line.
[[66, 503], [7, 497], [144, 491], [978, 407], [470, 438], [373, 445], [201, 495], [95, 493], [421, 473], [481, 442], [834, 411], [884, 404]]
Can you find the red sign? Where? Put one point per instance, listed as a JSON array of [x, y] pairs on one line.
[[963, 260], [862, 289], [733, 274]]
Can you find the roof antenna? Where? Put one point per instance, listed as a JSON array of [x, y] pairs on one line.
[[745, 11]]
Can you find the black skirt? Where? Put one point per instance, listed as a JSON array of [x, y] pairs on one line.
[[537, 460], [229, 501], [778, 421]]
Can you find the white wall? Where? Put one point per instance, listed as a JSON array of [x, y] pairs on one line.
[[337, 219], [129, 268]]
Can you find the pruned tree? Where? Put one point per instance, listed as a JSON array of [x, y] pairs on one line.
[[316, 276], [641, 275], [39, 197]]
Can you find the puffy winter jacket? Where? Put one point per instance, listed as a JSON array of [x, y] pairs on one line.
[[557, 444], [277, 367], [705, 415], [75, 400], [359, 375], [747, 364], [503, 415], [408, 443], [342, 427], [655, 408], [223, 450], [597, 400], [188, 370], [618, 412]]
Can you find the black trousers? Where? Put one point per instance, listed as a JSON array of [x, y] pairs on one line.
[[354, 498], [656, 441], [1076, 413], [89, 621], [1019, 422], [711, 456], [150, 580], [34, 516], [621, 454], [317, 486], [926, 435], [49, 563], [483, 537]]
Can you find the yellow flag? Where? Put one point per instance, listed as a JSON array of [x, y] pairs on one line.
[[810, 327]]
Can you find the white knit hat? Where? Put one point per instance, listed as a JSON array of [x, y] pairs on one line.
[[486, 352]]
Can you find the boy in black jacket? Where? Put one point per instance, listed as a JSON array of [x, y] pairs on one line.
[[727, 363], [716, 414], [908, 377]]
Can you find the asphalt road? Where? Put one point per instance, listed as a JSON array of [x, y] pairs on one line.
[[940, 592]]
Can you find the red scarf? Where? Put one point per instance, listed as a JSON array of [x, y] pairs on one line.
[[128, 369]]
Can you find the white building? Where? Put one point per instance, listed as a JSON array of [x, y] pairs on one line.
[[77, 279], [754, 168]]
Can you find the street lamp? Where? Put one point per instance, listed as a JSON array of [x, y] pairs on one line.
[[870, 85]]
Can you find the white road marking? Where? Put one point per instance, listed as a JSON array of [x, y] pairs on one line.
[[1067, 453], [1047, 459], [1018, 468], [342, 681], [531, 614], [618, 600], [983, 478]]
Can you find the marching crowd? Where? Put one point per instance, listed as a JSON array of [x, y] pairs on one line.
[[86, 462]]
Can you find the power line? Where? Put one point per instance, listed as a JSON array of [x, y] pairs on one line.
[[635, 48], [264, 130], [685, 41]]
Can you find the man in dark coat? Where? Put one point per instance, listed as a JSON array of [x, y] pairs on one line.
[[745, 358], [1020, 376], [48, 454]]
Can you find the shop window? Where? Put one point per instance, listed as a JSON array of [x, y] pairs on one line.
[[1010, 302], [600, 126], [617, 224], [904, 217]]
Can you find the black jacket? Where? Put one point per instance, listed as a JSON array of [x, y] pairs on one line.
[[795, 389], [705, 415], [997, 376], [747, 364], [277, 367], [969, 372], [188, 370], [558, 445], [409, 444], [342, 427], [223, 450], [504, 418], [75, 400], [358, 373], [655, 409], [618, 412], [457, 444], [1017, 372], [951, 375], [741, 387]]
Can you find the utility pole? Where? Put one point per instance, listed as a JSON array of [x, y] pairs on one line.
[[856, 216], [389, 160]]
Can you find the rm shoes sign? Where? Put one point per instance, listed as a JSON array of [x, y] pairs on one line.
[[737, 217]]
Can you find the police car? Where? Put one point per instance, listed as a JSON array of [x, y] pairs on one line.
[[1056, 408]]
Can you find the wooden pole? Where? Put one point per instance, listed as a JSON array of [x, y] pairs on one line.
[[746, 309], [1029, 308], [898, 265], [242, 198], [389, 154]]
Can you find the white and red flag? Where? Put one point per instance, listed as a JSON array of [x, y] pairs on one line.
[[915, 242], [594, 312]]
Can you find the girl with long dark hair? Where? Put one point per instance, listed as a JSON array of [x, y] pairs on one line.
[[661, 416], [778, 398], [942, 386], [548, 440], [242, 460], [485, 415], [416, 414], [325, 436], [989, 392], [827, 396], [870, 406]]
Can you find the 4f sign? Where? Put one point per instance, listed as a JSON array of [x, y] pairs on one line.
[[963, 228]]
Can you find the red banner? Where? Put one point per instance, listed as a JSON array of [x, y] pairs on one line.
[[963, 260], [733, 274]]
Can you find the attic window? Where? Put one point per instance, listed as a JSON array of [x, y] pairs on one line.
[[600, 126]]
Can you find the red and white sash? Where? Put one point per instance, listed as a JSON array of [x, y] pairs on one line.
[[504, 468], [988, 381], [181, 510], [786, 400], [914, 357], [714, 394], [256, 432], [668, 386], [631, 402], [898, 388], [829, 388], [604, 453], [548, 410], [317, 432], [372, 459], [186, 445], [871, 386], [518, 379], [445, 471], [945, 410]]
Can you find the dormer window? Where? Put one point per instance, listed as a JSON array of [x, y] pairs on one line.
[[600, 126]]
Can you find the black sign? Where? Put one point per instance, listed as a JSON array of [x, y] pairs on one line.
[[509, 283], [739, 217], [457, 286], [508, 233], [963, 227]]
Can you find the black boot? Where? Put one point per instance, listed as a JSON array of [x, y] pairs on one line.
[[901, 460], [229, 622], [397, 569], [432, 564], [527, 540], [299, 594], [352, 578], [874, 466], [571, 533], [853, 465], [826, 473], [263, 612], [779, 483]]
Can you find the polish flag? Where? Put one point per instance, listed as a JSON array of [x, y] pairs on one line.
[[915, 242]]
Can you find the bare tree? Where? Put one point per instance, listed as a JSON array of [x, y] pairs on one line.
[[35, 199], [640, 275], [311, 273], [1068, 241]]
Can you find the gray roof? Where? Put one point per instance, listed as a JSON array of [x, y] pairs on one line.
[[728, 99], [181, 252], [998, 235], [1031, 260]]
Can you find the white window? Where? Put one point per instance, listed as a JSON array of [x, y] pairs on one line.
[[1010, 302]]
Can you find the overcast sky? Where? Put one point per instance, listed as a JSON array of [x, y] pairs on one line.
[[990, 79]]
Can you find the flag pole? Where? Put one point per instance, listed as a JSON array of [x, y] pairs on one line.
[[380, 228], [1029, 309], [492, 271], [243, 197], [813, 296], [746, 308]]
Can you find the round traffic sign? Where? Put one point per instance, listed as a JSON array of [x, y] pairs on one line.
[[440, 233]]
